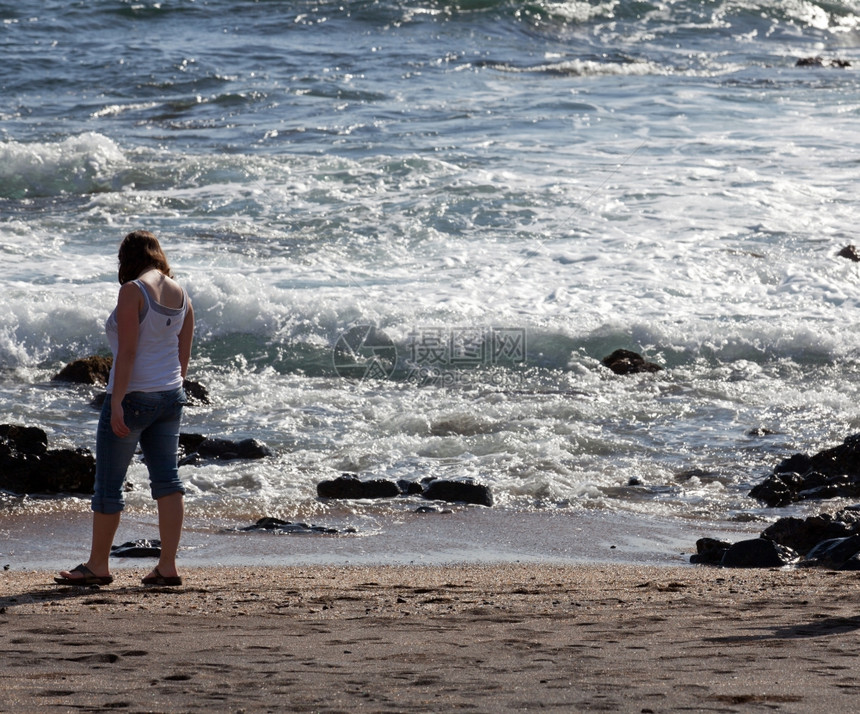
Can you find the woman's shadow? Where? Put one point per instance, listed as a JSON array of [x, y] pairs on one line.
[[821, 626]]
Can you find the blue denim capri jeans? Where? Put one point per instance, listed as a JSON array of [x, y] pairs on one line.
[[153, 418]]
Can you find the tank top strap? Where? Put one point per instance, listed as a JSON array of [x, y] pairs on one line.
[[146, 299]]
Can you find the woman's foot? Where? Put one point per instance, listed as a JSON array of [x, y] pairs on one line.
[[82, 575], [157, 578]]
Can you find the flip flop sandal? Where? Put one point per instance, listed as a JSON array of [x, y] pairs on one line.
[[88, 578], [158, 579]]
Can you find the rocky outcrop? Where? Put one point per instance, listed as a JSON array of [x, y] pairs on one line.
[[822, 62], [830, 473], [836, 554], [195, 448], [410, 488], [804, 534], [27, 466], [195, 392], [850, 252], [757, 553], [710, 551], [276, 525], [627, 362], [87, 370], [824, 540], [22, 439], [458, 492], [350, 486], [829, 540], [784, 488], [450, 490]]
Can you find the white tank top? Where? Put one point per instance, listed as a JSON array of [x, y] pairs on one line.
[[156, 365]]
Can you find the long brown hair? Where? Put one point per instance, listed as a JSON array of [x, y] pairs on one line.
[[138, 251]]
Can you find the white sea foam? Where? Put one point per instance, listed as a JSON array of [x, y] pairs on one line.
[[114, 109], [80, 164]]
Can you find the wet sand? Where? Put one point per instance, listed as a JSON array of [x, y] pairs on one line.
[[482, 638]]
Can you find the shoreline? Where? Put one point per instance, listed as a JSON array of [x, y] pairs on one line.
[[469, 535], [401, 638]]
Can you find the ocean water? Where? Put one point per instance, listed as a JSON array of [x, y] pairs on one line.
[[411, 230]]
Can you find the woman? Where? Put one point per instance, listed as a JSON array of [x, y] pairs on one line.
[[150, 333]]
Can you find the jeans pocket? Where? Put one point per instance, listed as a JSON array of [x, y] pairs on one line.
[[138, 410]]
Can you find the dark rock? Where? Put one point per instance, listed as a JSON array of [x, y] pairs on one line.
[[458, 491], [266, 523], [777, 490], [253, 449], [782, 489], [216, 448], [627, 362], [350, 486], [22, 439], [195, 392], [409, 488], [27, 466], [196, 447], [822, 62], [701, 474], [803, 534], [826, 540], [796, 463], [842, 459], [55, 471], [276, 525], [757, 553], [431, 509], [834, 553], [88, 370], [140, 548], [850, 252], [831, 473], [710, 551], [853, 563], [188, 443]]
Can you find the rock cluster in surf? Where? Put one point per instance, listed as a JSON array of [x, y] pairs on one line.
[[627, 362], [818, 61], [825, 540], [831, 473], [28, 466], [829, 540], [349, 486]]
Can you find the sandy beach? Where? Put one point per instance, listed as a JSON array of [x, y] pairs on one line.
[[484, 638]]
